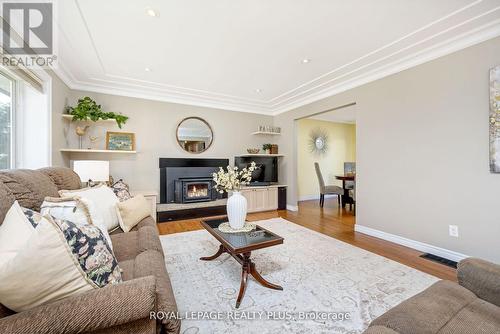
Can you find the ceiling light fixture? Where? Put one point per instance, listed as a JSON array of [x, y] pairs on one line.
[[151, 12], [147, 69], [306, 61], [258, 90]]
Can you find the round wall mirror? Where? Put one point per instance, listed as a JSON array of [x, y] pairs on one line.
[[194, 135]]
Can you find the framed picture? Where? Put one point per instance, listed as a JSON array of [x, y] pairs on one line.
[[120, 141]]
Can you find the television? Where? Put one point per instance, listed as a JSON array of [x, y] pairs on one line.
[[266, 171]]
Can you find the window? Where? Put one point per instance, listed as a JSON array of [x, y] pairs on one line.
[[24, 123], [6, 121]]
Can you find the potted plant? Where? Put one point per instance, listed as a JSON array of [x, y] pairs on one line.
[[88, 110], [232, 180], [267, 148]]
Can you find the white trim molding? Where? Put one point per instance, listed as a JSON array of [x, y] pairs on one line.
[[314, 197], [420, 246], [290, 207], [472, 24]]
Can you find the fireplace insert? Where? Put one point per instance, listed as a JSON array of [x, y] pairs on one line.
[[191, 190]]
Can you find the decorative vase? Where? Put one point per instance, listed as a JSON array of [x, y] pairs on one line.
[[237, 210]]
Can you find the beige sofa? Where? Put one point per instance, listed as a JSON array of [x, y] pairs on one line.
[[121, 308], [470, 307]]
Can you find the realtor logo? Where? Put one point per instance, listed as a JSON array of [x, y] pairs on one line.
[[27, 28]]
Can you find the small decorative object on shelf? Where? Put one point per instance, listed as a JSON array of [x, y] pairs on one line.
[[253, 150], [267, 148], [274, 149], [80, 132], [269, 129], [120, 141], [88, 110], [92, 141], [232, 180]]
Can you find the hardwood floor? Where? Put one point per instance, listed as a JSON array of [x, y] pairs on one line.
[[338, 224]]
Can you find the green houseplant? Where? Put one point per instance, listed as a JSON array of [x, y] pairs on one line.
[[88, 110], [267, 148]]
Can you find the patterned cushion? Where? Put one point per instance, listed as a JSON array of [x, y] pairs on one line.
[[92, 252], [76, 210], [33, 217], [68, 259], [121, 190]]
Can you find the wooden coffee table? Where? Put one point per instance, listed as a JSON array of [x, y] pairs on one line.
[[240, 246]]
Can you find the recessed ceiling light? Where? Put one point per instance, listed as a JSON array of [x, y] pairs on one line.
[[306, 60], [147, 69], [151, 12], [258, 90]]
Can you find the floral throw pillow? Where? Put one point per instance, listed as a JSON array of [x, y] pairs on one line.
[[33, 217], [121, 190], [61, 259], [92, 252]]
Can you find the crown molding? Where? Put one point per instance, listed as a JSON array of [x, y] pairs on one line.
[[144, 92], [474, 26], [449, 47]]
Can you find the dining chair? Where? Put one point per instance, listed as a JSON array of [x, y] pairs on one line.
[[326, 190], [349, 167]]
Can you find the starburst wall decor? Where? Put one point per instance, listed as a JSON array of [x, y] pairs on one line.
[[318, 141]]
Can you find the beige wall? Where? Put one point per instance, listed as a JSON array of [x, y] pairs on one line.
[[60, 93], [154, 124], [422, 148], [422, 152], [341, 148]]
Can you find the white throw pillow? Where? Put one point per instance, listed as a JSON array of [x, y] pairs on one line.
[[75, 209], [132, 211], [15, 231], [103, 199], [60, 259]]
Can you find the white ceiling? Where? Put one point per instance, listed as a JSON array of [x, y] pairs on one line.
[[343, 115], [218, 53]]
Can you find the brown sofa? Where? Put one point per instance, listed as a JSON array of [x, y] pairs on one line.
[[120, 308], [470, 307]]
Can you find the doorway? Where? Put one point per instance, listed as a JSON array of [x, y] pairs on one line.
[[327, 138]]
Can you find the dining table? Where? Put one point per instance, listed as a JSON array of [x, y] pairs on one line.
[[346, 199]]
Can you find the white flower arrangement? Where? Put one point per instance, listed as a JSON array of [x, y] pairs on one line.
[[233, 179]]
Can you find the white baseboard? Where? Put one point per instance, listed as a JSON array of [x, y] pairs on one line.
[[313, 197], [290, 207], [420, 246]]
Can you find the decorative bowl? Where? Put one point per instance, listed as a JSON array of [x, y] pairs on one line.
[[253, 150]]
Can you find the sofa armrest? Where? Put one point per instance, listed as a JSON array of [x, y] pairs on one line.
[[481, 277], [93, 310]]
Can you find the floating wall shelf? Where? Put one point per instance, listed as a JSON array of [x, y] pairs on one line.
[[70, 118], [266, 133], [261, 155], [76, 150]]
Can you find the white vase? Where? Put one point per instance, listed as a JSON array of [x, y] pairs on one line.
[[237, 210]]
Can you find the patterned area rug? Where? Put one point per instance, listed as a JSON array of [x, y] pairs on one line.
[[329, 286]]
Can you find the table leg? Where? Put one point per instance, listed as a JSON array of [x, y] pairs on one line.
[[216, 255], [261, 279], [345, 195], [244, 277], [248, 267]]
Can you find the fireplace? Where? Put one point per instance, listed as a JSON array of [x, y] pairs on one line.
[[191, 190], [189, 180]]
